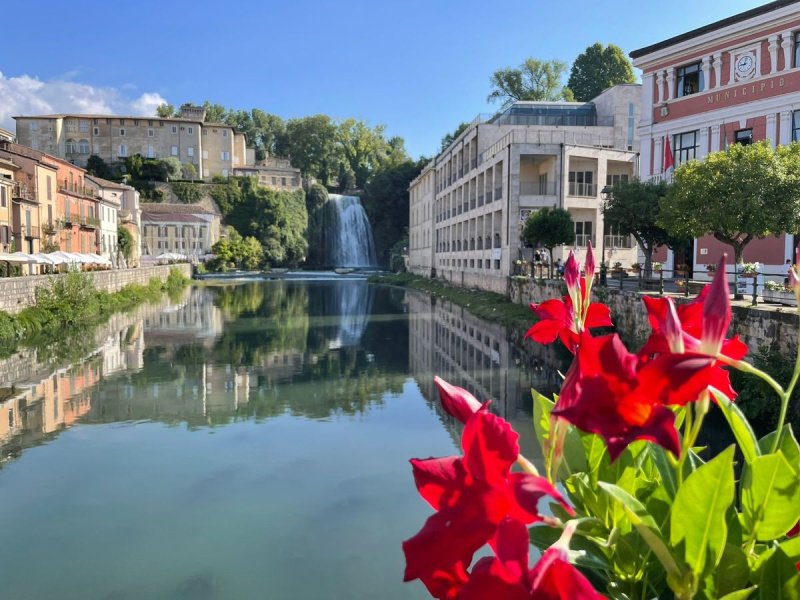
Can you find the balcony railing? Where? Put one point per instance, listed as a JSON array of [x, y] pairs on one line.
[[48, 229], [74, 188], [585, 190], [582, 240], [618, 241], [22, 191], [535, 188], [90, 222]]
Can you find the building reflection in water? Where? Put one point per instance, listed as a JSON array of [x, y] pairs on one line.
[[210, 357], [447, 340]]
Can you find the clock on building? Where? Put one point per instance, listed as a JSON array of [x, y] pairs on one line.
[[745, 65]]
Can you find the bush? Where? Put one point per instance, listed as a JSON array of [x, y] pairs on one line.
[[188, 193]]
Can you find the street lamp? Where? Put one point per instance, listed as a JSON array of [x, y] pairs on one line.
[[605, 194]]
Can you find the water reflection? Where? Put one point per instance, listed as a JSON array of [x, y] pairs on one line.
[[216, 355]]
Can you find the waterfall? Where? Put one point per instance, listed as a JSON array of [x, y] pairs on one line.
[[348, 233], [352, 301]]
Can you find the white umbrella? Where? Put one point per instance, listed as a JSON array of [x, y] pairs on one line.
[[67, 257], [56, 258], [28, 258]]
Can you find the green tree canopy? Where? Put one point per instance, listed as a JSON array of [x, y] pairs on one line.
[[598, 68], [172, 167], [633, 209], [97, 166], [165, 110], [386, 203], [743, 193], [125, 242], [549, 227], [532, 80], [310, 143]]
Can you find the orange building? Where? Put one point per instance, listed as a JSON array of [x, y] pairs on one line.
[[76, 208]]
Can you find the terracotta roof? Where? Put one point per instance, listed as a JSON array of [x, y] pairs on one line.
[[743, 16]]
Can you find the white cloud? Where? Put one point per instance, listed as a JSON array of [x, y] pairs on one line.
[[25, 95]]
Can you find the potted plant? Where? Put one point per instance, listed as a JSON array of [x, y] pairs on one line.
[[711, 268], [749, 270], [775, 291], [657, 266], [636, 267]]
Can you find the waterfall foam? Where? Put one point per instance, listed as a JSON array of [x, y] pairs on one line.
[[348, 233]]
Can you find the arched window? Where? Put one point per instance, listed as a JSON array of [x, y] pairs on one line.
[[72, 147], [83, 147]]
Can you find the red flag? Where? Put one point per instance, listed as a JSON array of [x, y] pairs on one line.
[[669, 161]]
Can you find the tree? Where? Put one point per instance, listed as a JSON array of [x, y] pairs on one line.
[[165, 110], [134, 166], [215, 113], [386, 203], [189, 171], [172, 167], [363, 147], [549, 227], [532, 80], [125, 242], [743, 193], [598, 68], [450, 137], [310, 143], [98, 167], [634, 209]]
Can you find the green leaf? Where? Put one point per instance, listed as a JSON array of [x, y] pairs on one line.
[[739, 594], [698, 514], [541, 418], [646, 526], [778, 578], [770, 497], [668, 477], [740, 426], [788, 445], [591, 557]]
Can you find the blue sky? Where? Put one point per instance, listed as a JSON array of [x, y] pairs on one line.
[[419, 67]]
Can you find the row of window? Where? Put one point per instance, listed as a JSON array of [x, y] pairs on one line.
[[83, 126], [473, 263], [690, 78], [122, 152]]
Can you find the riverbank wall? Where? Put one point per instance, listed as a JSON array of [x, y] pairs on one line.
[[770, 327], [18, 293]]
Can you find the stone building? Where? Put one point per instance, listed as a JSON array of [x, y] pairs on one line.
[[211, 148], [276, 173], [469, 204], [183, 229], [733, 81]]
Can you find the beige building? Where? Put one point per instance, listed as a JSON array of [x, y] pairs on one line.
[[211, 148], [179, 229], [276, 173], [469, 204]]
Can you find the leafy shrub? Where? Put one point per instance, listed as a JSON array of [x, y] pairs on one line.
[[188, 193]]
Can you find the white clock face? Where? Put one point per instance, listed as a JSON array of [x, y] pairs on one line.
[[745, 64]]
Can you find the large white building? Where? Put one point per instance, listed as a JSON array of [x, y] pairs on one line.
[[468, 205]]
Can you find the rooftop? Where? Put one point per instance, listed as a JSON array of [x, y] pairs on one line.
[[108, 184], [743, 16], [171, 217], [167, 208]]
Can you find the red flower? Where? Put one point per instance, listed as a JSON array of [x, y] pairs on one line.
[[566, 318], [611, 392], [471, 495], [507, 577], [458, 402], [703, 323], [557, 320]]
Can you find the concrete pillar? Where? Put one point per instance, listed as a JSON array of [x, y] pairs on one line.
[[715, 132], [787, 44], [717, 69], [773, 53], [771, 129]]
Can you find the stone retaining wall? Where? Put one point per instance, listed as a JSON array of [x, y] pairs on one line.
[[775, 328], [17, 293]]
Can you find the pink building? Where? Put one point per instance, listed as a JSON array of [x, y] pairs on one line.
[[733, 81]]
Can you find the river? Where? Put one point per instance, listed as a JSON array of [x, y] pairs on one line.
[[247, 440]]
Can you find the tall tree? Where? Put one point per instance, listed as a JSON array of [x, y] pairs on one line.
[[362, 147], [310, 143], [165, 110], [598, 68], [634, 209], [215, 113], [549, 227], [532, 80], [386, 203], [743, 193]]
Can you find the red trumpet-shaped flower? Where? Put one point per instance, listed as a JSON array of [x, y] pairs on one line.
[[472, 495], [507, 577], [567, 318], [613, 393], [456, 401]]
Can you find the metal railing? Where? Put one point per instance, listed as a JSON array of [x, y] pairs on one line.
[[582, 240], [619, 241], [585, 190], [535, 188]]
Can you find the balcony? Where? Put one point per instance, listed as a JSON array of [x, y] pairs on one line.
[[90, 223], [618, 241], [77, 190], [536, 188], [582, 240], [22, 191], [48, 229], [583, 190], [31, 233]]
